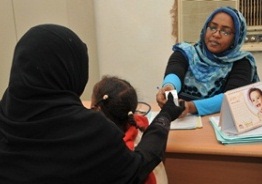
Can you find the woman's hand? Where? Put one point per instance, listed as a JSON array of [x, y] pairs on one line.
[[190, 108], [161, 100], [161, 97]]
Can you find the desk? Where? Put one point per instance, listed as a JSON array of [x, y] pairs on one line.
[[195, 157]]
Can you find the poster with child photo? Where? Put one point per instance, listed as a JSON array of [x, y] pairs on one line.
[[242, 109]]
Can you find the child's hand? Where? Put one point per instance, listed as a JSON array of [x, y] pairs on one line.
[[171, 109]]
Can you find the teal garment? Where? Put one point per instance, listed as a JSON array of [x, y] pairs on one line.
[[205, 68], [204, 106], [209, 105], [204, 72], [174, 81]]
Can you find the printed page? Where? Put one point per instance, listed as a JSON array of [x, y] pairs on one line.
[[188, 122]]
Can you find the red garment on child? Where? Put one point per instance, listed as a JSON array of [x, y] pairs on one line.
[[130, 137]]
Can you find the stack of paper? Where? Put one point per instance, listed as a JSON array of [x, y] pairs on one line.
[[254, 135], [188, 122]]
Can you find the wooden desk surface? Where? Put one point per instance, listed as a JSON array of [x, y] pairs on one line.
[[203, 141], [195, 156]]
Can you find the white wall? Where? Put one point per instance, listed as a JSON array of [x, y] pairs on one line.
[[258, 57], [130, 39], [134, 41], [7, 42], [17, 16]]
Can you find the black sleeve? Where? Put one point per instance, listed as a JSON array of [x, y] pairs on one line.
[[240, 75], [153, 145], [120, 165], [177, 64]]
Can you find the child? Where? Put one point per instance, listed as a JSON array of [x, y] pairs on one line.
[[255, 96], [117, 99]]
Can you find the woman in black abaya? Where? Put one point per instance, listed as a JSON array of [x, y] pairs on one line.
[[48, 136]]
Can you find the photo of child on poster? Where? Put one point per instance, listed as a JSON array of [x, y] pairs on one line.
[[255, 97]]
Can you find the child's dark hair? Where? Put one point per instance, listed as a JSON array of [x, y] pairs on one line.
[[117, 99]]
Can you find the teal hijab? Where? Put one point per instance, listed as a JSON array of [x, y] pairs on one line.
[[205, 67]]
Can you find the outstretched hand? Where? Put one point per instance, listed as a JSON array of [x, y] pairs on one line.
[[171, 108], [161, 97]]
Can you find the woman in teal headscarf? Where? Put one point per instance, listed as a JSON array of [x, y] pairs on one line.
[[202, 72]]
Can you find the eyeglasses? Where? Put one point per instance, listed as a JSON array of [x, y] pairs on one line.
[[223, 32]]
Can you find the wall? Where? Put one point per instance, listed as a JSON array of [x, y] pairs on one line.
[[258, 57], [17, 16], [134, 42], [130, 39], [7, 41]]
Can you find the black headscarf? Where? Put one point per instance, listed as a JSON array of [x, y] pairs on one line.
[[49, 70], [46, 134]]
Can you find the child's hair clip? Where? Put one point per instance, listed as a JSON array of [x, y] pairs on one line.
[[130, 113], [105, 97]]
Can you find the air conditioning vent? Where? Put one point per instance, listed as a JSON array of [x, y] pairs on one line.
[[252, 11]]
